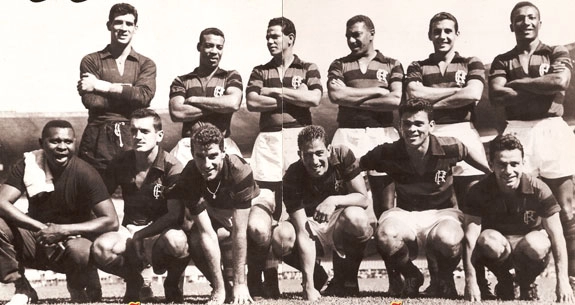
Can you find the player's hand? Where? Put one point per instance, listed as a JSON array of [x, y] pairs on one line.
[[337, 83], [324, 210], [87, 83], [302, 87], [51, 234], [472, 292], [271, 92], [564, 292], [311, 294], [242, 294], [558, 67]]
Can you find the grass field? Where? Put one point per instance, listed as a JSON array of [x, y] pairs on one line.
[[372, 292]]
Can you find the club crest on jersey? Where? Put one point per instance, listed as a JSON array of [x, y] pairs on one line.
[[529, 217], [218, 91], [296, 81], [440, 177], [158, 191], [381, 75], [460, 76], [543, 69]]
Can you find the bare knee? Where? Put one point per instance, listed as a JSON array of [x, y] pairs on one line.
[[493, 245], [390, 237], [446, 238], [174, 243], [259, 226], [535, 245], [108, 247], [283, 239], [354, 221]]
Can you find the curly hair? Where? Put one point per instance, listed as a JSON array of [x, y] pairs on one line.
[[55, 124], [360, 18], [207, 134], [416, 105], [121, 9], [442, 16]]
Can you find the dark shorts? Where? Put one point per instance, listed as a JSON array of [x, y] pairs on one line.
[[101, 143]]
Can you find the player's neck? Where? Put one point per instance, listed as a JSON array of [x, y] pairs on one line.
[[120, 50], [145, 159], [207, 71], [526, 46], [444, 56], [418, 152], [285, 59]]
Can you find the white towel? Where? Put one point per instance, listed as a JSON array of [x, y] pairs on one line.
[[37, 175]]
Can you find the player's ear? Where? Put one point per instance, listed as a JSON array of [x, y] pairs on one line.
[[511, 27], [40, 142], [198, 46], [292, 39], [329, 148], [300, 155], [160, 136], [431, 125]]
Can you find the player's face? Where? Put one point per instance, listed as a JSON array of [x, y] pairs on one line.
[[122, 28], [525, 23], [415, 128], [507, 165], [443, 35], [59, 146], [211, 50], [144, 134], [359, 38], [209, 160], [314, 156], [277, 41]]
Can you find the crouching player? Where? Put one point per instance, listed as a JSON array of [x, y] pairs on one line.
[[150, 231], [223, 186], [512, 221], [426, 218], [325, 196]]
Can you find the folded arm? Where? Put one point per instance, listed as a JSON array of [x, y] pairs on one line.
[[373, 98], [229, 102], [472, 226], [307, 253], [552, 225]]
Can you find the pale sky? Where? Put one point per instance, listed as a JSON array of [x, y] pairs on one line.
[[43, 43]]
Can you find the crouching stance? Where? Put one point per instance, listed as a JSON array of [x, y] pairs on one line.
[[512, 221], [426, 218], [222, 186], [326, 200], [68, 206]]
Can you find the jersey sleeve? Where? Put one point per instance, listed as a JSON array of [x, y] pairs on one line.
[[92, 187], [396, 72], [476, 70], [414, 73], [335, 70], [256, 81], [177, 88], [350, 164], [372, 159], [186, 190], [549, 205], [293, 188], [560, 55], [141, 92], [313, 78], [16, 176], [234, 79], [111, 175], [498, 68], [244, 187], [473, 199]]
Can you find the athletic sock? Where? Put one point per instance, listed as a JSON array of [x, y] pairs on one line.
[[569, 232]]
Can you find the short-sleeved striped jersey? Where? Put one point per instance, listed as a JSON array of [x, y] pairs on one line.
[[235, 190], [416, 192], [191, 85], [381, 72], [511, 214], [289, 115], [459, 71], [538, 106]]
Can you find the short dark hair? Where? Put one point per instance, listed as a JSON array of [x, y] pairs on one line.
[[287, 25], [210, 31], [415, 105], [310, 133], [360, 18], [55, 124], [120, 9], [504, 142], [207, 134], [442, 16], [148, 113], [523, 4]]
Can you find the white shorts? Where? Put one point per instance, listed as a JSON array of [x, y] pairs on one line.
[[466, 133], [549, 146], [183, 150], [362, 140], [421, 222], [323, 232], [273, 153]]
